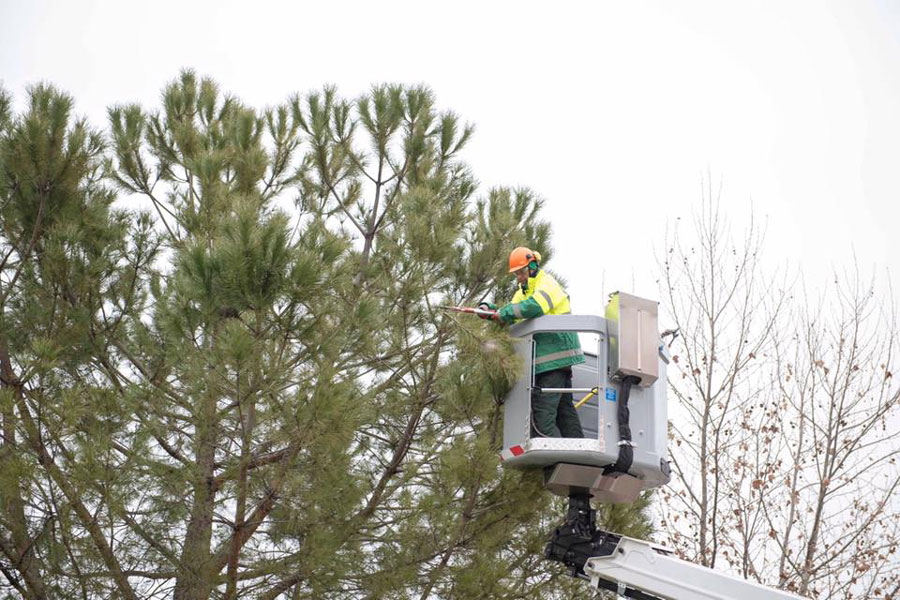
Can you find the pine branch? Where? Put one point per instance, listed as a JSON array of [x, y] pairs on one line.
[[25, 256], [72, 496]]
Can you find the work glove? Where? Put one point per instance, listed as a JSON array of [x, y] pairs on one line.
[[506, 314], [487, 306]]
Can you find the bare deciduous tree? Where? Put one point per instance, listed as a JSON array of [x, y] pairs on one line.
[[784, 426], [829, 504], [726, 313]]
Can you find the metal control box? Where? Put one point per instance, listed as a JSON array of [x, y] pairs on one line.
[[633, 338]]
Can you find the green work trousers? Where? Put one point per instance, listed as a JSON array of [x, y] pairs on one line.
[[554, 414]]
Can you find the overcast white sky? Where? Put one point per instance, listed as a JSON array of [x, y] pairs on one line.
[[612, 111]]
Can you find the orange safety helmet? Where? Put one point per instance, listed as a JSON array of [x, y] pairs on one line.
[[521, 257]]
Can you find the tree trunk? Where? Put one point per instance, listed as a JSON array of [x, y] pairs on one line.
[[195, 579], [25, 560]]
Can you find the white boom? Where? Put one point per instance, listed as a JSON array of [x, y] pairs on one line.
[[639, 569]]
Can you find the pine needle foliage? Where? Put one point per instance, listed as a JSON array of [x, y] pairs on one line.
[[245, 389]]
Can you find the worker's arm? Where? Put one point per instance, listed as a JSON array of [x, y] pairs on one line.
[[528, 308], [545, 297]]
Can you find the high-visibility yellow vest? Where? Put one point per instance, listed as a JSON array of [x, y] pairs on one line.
[[544, 296]]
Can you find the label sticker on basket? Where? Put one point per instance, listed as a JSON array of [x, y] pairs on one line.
[[611, 394]]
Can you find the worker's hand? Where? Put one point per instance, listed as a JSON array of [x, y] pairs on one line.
[[506, 314], [488, 306]]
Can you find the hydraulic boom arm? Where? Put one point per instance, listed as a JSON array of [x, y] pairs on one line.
[[638, 569]]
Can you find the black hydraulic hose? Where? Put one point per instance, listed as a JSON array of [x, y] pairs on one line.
[[626, 446]]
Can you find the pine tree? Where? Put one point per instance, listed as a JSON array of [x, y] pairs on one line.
[[68, 279], [245, 410], [241, 386]]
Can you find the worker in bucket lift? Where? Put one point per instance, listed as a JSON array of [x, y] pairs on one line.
[[553, 414]]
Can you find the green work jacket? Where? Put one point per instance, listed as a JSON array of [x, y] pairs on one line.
[[544, 296]]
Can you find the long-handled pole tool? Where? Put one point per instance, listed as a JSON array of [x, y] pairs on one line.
[[490, 314]]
